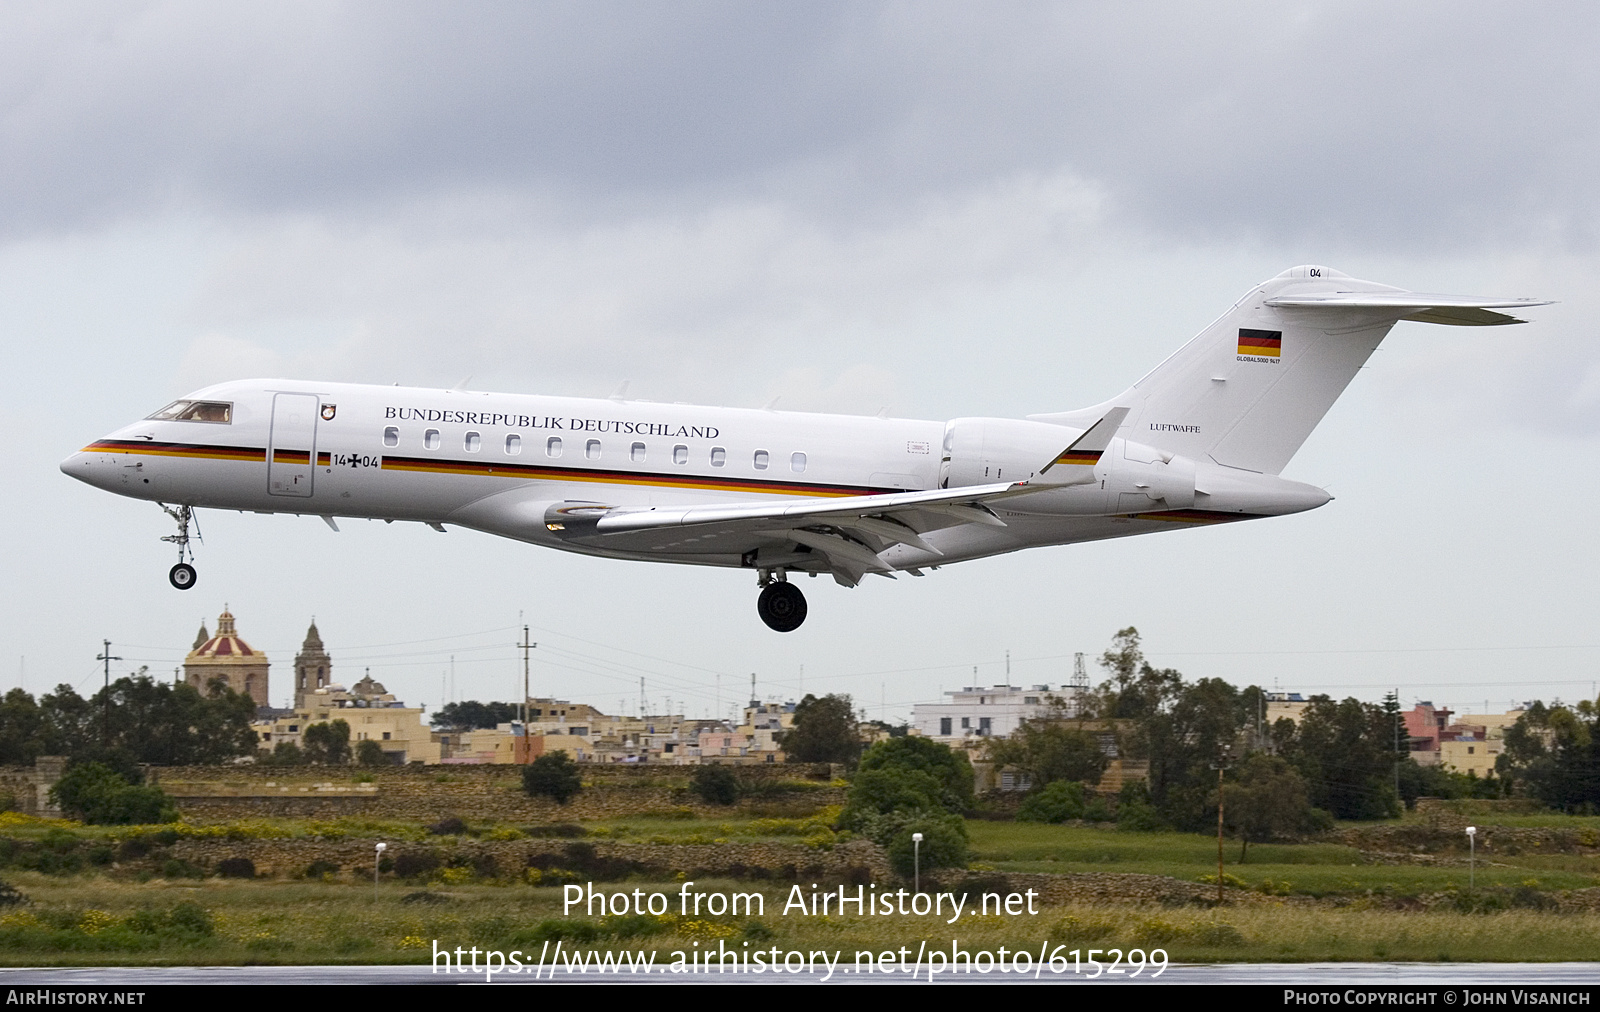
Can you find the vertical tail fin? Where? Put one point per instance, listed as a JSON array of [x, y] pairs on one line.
[[1250, 388]]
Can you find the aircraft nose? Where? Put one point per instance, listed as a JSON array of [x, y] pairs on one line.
[[86, 467]]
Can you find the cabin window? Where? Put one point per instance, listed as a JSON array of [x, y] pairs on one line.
[[430, 439], [552, 446], [391, 436], [636, 453], [513, 444], [719, 456], [761, 460], [680, 454], [797, 462], [473, 443], [220, 412], [591, 449]]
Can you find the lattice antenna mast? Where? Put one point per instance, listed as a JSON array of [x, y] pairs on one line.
[[1080, 684]]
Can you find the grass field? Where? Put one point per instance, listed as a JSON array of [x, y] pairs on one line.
[[1315, 869], [87, 922], [1325, 903]]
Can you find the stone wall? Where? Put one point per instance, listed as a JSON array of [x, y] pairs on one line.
[[485, 792], [600, 860], [29, 786]]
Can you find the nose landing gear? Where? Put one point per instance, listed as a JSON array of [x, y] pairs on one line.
[[182, 576], [781, 605]]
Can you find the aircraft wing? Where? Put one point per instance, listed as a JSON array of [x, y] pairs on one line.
[[1452, 310], [848, 533]]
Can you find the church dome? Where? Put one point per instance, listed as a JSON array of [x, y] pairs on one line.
[[225, 645]]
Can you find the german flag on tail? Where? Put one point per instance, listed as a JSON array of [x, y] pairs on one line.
[[1260, 343]]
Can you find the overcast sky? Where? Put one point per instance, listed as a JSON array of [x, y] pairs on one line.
[[942, 209]]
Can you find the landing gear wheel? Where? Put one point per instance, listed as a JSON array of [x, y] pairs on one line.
[[781, 606], [182, 576]]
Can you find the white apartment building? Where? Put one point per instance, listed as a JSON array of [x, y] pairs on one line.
[[992, 712]]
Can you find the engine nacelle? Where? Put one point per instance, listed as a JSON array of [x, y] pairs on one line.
[[981, 451]]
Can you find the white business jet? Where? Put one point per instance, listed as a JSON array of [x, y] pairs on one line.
[[1200, 440]]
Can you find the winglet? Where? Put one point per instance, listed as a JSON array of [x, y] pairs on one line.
[[1087, 448]]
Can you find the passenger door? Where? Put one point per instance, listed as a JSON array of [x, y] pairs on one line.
[[292, 448]]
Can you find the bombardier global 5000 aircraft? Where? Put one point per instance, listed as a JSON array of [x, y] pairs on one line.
[[1200, 440]]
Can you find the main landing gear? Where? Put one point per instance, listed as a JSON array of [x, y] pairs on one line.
[[781, 605], [182, 576]]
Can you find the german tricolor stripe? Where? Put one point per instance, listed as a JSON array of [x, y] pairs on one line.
[[192, 450], [529, 472], [1087, 458], [1194, 516], [1260, 343]]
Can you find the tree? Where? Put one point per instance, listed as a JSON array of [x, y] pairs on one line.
[[327, 743], [890, 789], [99, 795], [553, 776], [948, 767], [1049, 750], [285, 753], [470, 714], [370, 753], [1553, 755], [1345, 751], [824, 731], [134, 721], [912, 785], [715, 784], [1267, 801]]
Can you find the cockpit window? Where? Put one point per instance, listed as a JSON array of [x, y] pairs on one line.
[[196, 411]]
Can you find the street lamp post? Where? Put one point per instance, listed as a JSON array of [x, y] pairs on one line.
[[916, 862], [376, 861], [1472, 857]]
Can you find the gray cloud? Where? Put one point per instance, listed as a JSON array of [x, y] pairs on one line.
[[1394, 127]]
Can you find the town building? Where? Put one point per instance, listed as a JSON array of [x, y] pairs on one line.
[[1469, 744], [227, 659], [1290, 706], [313, 668], [992, 712], [369, 709]]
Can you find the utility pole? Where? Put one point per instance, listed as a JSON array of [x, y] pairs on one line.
[[1220, 765], [526, 645], [1080, 686], [105, 723], [1399, 718]]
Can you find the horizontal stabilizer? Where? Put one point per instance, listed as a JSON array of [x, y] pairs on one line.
[[1451, 310]]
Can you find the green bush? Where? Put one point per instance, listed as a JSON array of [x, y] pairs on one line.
[[944, 844], [186, 920], [236, 867], [1058, 802], [715, 785], [948, 767], [891, 789], [98, 795], [552, 776], [370, 753]]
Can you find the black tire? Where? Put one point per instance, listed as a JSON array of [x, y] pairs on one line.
[[782, 607], [182, 576]]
